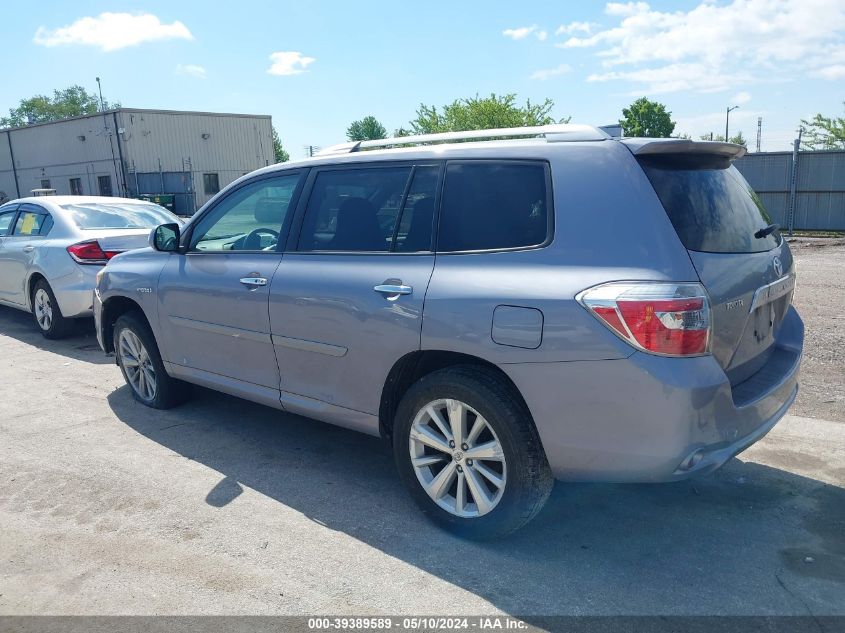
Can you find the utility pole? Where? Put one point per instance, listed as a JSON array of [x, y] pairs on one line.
[[311, 150], [100, 88], [759, 132], [727, 119], [793, 185]]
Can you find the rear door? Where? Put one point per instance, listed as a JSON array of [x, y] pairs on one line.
[[7, 223], [213, 299], [347, 303], [740, 258], [31, 227]]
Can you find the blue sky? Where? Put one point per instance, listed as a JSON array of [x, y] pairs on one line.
[[316, 66]]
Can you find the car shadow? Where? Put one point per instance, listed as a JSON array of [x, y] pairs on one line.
[[81, 345], [749, 539]]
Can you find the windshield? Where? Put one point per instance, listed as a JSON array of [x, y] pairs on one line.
[[118, 215], [712, 207]]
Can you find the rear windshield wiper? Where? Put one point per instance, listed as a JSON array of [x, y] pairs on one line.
[[766, 231]]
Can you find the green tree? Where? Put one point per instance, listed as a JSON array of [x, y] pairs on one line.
[[737, 138], [647, 119], [824, 132], [480, 113], [366, 129], [72, 101], [280, 153]]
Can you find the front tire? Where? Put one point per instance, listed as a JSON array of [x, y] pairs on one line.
[[140, 362], [48, 316], [469, 454]]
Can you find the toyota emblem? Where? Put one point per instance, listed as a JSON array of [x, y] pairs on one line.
[[778, 266]]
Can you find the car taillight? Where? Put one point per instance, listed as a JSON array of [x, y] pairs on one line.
[[672, 319], [90, 252]]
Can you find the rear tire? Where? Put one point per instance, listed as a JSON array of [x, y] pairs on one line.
[[509, 479], [47, 314], [137, 355]]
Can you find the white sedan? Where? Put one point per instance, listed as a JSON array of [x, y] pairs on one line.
[[52, 247]]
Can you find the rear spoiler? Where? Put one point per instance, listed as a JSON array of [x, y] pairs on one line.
[[670, 146]]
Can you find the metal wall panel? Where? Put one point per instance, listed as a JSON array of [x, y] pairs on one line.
[[7, 177], [199, 143], [767, 172], [74, 148], [820, 187]]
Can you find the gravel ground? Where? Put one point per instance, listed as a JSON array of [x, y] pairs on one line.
[[225, 507], [820, 299]]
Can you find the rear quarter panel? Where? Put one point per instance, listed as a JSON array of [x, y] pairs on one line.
[[609, 225]]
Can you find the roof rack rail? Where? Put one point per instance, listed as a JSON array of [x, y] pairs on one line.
[[552, 134]]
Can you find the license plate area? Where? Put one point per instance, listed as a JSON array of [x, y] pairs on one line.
[[773, 291], [768, 308]]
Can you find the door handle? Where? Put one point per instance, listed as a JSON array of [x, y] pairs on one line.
[[253, 281], [28, 249], [393, 289]]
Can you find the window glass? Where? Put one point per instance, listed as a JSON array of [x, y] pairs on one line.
[[118, 215], [711, 206], [33, 223], [489, 205], [354, 209], [249, 218], [414, 231], [6, 218], [76, 186], [45, 183], [211, 184]]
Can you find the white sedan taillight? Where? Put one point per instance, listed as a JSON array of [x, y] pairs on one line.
[[672, 319]]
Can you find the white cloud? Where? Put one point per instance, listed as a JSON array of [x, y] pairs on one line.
[[520, 33], [542, 75], [191, 70], [741, 97], [574, 27], [831, 73], [675, 78], [289, 63], [625, 8], [703, 48], [112, 31]]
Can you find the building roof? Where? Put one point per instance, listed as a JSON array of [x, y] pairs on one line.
[[139, 111]]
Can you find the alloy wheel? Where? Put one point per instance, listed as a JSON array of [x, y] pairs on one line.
[[457, 458], [43, 309], [136, 362]]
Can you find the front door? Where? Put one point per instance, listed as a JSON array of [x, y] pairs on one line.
[[213, 298], [348, 302]]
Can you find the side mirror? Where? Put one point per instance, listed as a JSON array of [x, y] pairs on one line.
[[165, 238]]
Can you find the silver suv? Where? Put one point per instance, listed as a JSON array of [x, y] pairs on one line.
[[504, 313]]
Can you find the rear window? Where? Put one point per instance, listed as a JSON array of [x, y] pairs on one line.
[[712, 207], [115, 215], [33, 223], [492, 205]]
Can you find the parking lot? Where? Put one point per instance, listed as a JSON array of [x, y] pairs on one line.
[[226, 507]]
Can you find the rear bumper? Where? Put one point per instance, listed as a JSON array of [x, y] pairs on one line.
[[98, 319], [648, 418], [74, 292]]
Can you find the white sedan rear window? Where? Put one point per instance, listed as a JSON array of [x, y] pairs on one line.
[[116, 215]]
